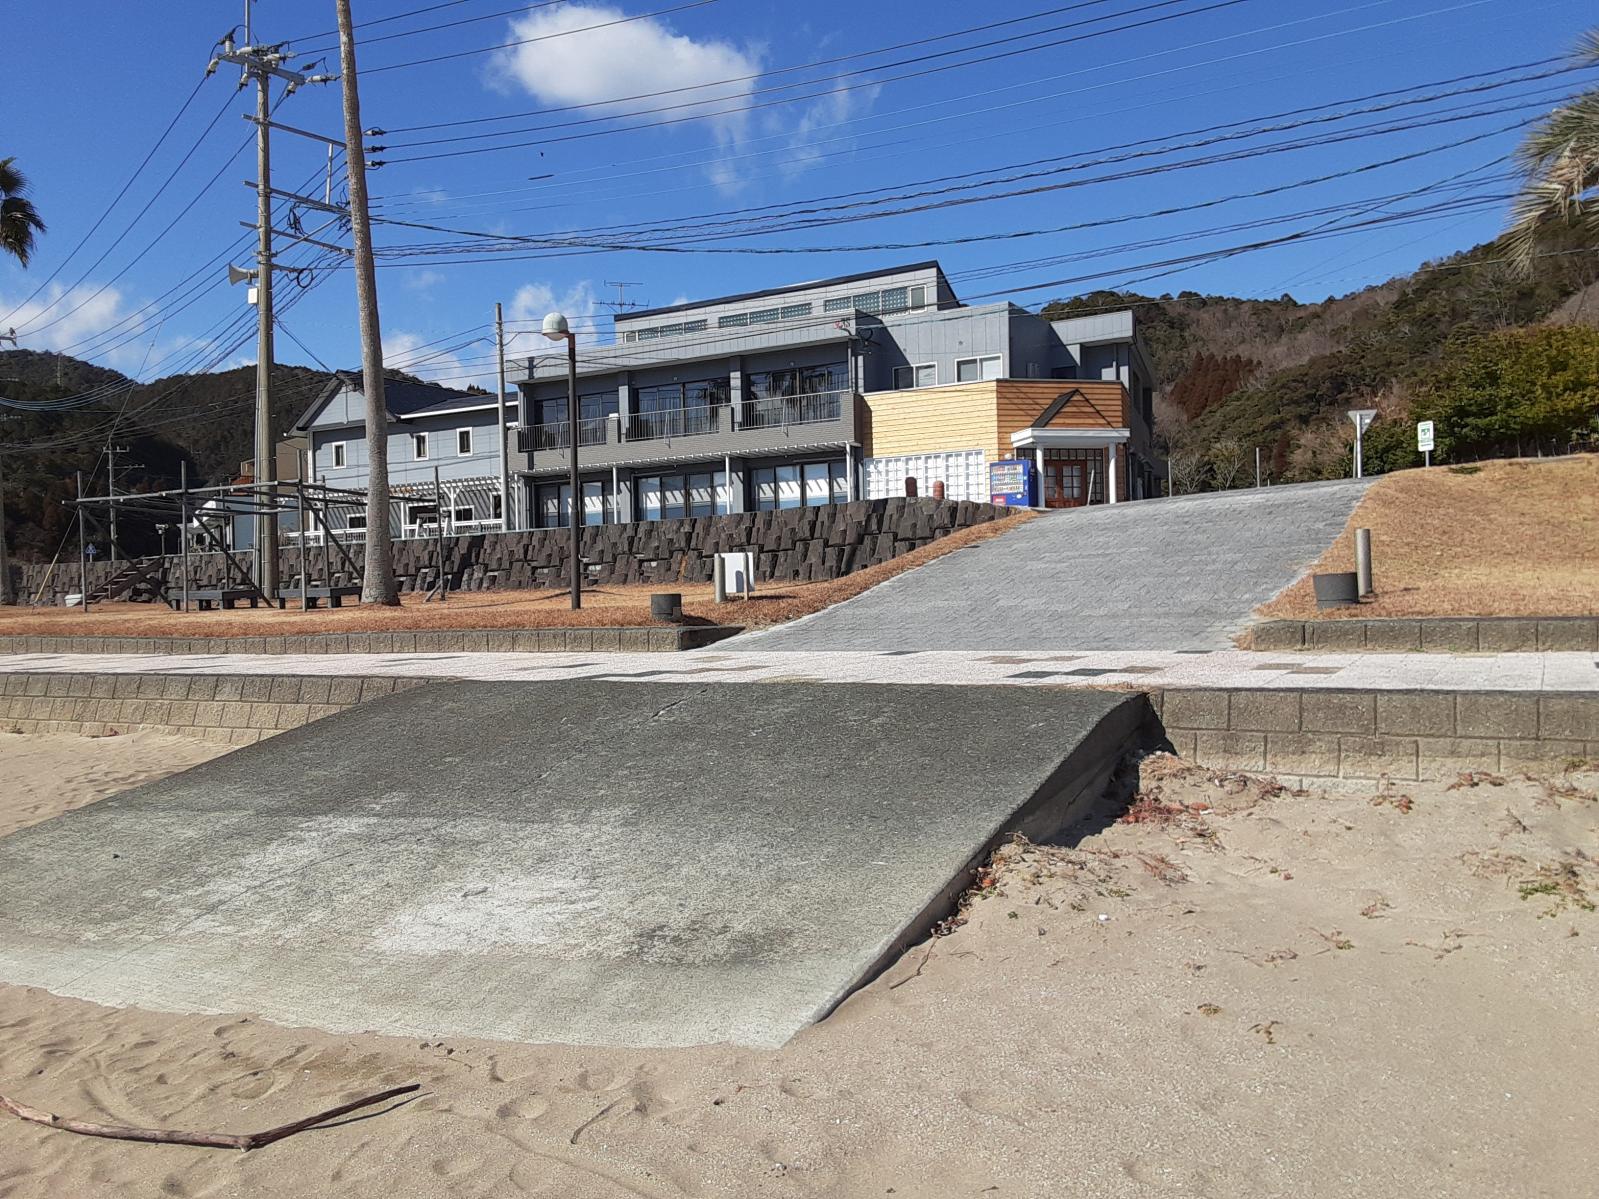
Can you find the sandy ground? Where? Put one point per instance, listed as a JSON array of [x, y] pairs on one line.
[[771, 603], [1231, 990], [1509, 538], [45, 774]]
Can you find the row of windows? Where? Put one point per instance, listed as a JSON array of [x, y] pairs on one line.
[[967, 370], [339, 452], [796, 381], [880, 303], [674, 330], [763, 316], [698, 493]]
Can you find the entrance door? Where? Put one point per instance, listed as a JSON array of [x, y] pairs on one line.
[[1065, 483]]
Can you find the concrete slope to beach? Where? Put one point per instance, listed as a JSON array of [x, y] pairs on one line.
[[584, 862], [1183, 573]]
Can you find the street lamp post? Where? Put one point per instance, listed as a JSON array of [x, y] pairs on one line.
[[557, 328]]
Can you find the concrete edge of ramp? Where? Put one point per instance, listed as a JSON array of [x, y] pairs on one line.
[[1063, 801]]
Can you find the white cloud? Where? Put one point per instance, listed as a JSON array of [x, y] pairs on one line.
[[422, 281], [634, 58], [838, 106], [534, 300], [420, 355], [80, 315]]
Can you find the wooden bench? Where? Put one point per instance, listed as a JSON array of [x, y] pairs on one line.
[[224, 597], [316, 593]]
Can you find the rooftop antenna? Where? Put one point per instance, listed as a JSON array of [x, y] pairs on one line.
[[621, 303]]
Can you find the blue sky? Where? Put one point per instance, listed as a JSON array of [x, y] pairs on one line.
[[743, 120]]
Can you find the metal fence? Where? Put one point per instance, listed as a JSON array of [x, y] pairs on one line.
[[779, 411], [673, 422]]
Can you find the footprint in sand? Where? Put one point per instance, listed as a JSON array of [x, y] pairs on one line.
[[526, 1107]]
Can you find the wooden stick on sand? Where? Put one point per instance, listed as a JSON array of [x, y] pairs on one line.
[[213, 1140]]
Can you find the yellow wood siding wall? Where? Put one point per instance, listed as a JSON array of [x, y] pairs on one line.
[[929, 420], [969, 416]]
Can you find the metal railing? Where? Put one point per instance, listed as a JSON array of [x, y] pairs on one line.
[[780, 411], [556, 435], [674, 422]]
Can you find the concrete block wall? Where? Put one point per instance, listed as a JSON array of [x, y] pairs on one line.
[[1500, 635], [1401, 735], [235, 709], [792, 545]]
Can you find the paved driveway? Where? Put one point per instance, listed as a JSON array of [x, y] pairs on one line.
[[1160, 574]]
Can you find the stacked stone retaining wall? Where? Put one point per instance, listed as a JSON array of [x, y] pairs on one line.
[[792, 545]]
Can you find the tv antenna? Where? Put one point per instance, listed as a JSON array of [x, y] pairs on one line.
[[621, 303]]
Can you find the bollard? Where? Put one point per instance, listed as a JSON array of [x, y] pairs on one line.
[[1363, 561], [719, 578]]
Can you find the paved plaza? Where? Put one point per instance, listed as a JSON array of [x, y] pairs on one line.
[[1181, 573]]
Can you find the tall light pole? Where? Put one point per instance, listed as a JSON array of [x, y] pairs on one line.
[[557, 328], [505, 462]]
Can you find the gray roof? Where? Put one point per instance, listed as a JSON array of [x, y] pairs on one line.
[[400, 397]]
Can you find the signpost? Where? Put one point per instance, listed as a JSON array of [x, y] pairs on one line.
[[1362, 418], [1424, 439]]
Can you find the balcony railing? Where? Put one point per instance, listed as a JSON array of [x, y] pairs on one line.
[[673, 422], [556, 435], [776, 412]]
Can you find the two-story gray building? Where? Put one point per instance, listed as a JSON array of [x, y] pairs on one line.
[[456, 433], [765, 400]]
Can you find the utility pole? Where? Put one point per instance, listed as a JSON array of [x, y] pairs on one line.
[[505, 460], [261, 63], [6, 597], [112, 449], [377, 580]]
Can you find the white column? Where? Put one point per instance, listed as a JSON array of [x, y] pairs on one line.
[[1110, 473], [1038, 465]]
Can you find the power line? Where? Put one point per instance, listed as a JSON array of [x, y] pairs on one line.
[[33, 326], [806, 66], [437, 58], [743, 107], [115, 200]]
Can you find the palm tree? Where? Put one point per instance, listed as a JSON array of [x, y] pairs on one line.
[[18, 220], [1560, 160]]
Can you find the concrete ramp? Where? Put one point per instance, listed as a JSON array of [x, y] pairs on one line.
[[584, 862]]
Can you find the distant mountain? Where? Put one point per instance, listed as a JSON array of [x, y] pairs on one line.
[[1280, 374]]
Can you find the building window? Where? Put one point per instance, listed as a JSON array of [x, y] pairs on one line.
[[421, 519], [971, 370], [337, 449], [678, 409], [879, 303], [674, 496], [799, 485], [463, 442], [419, 446], [552, 504], [356, 522], [497, 506], [924, 374]]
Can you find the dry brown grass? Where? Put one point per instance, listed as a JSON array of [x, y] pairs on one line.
[[628, 606], [1513, 538]]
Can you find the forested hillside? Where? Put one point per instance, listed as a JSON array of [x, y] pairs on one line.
[[204, 420], [1237, 374]]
